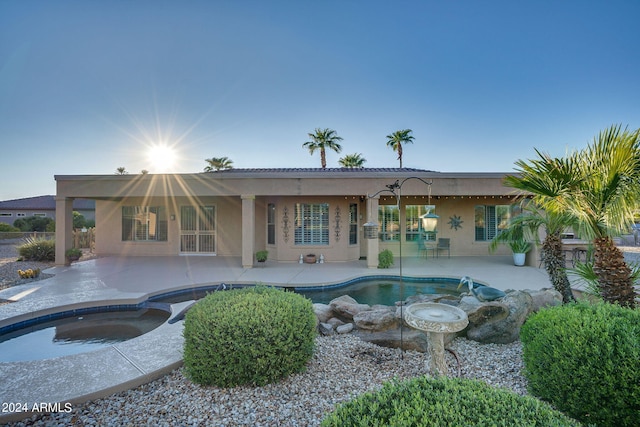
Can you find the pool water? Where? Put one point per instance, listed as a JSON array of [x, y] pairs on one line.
[[78, 334], [382, 290]]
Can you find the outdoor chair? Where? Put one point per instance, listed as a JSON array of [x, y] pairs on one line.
[[424, 247], [444, 244]]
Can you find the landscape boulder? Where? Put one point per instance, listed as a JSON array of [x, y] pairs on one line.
[[325, 329], [380, 319], [345, 329], [347, 307], [544, 298], [489, 322], [504, 326], [323, 312]]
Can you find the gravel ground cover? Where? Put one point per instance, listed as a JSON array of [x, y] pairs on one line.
[[343, 366]]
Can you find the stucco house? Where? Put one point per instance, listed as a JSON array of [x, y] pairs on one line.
[[289, 212], [42, 206]]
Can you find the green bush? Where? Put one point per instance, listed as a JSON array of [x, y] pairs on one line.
[[444, 401], [385, 259], [6, 228], [38, 249], [34, 223], [585, 360], [248, 336]]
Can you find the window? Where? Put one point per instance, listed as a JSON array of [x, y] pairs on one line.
[[413, 223], [21, 214], [312, 224], [353, 224], [389, 223], [6, 214], [271, 224], [491, 220], [40, 214], [144, 223]]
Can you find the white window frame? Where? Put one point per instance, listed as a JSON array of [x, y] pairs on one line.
[[311, 224]]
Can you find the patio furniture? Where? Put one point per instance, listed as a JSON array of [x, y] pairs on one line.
[[424, 247], [444, 244]]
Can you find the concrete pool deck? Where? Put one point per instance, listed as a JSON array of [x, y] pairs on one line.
[[131, 280]]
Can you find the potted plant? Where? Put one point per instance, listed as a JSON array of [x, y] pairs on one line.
[[261, 256], [519, 249], [310, 258], [514, 237], [73, 254]]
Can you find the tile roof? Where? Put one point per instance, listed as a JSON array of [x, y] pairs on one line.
[[325, 170], [44, 203]]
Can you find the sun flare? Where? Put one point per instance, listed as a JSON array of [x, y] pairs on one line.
[[161, 157]]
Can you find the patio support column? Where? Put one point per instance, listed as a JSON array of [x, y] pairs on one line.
[[372, 244], [248, 229], [64, 227]]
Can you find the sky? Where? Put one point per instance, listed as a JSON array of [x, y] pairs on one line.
[[87, 87]]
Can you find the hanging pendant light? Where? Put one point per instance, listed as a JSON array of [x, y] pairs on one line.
[[429, 220]]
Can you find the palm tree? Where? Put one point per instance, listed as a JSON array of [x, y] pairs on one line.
[[121, 171], [526, 226], [321, 140], [599, 188], [396, 139], [218, 163], [354, 160]]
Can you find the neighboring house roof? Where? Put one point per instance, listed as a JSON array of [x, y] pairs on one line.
[[44, 203]]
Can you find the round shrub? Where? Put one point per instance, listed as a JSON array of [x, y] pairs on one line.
[[248, 336], [385, 259], [444, 401], [585, 360]]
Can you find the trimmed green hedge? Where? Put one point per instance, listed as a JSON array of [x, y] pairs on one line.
[[585, 360], [248, 336], [443, 401]]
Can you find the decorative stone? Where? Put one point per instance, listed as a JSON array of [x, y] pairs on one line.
[[346, 307], [502, 329], [324, 312], [325, 329], [544, 298], [335, 322], [486, 312], [345, 329], [376, 320], [489, 322]]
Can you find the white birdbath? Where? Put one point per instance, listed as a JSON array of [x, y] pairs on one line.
[[436, 319]]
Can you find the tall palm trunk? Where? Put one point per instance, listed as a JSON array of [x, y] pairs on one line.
[[614, 275], [400, 154], [554, 262], [323, 158]]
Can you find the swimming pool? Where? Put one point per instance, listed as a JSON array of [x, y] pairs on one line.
[[385, 290], [78, 331], [370, 290]]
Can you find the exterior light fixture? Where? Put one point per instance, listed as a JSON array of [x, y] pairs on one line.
[[370, 230], [429, 220]]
